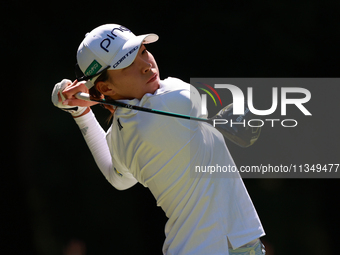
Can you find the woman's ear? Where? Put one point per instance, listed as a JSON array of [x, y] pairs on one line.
[[105, 88]]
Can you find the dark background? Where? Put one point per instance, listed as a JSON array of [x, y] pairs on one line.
[[52, 192]]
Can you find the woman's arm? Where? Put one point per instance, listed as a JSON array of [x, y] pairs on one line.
[[63, 97], [95, 138]]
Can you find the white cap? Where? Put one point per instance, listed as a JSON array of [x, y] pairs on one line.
[[111, 47]]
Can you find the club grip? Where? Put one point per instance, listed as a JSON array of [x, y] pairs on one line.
[[83, 96]]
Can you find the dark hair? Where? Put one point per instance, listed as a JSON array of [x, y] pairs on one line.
[[97, 95]]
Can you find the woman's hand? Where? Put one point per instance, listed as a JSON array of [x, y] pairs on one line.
[[63, 97], [67, 96]]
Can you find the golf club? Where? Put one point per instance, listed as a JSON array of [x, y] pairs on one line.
[[233, 127]]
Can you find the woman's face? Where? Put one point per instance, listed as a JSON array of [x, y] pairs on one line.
[[134, 81]]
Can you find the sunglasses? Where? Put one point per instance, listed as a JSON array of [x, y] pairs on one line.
[[81, 77]]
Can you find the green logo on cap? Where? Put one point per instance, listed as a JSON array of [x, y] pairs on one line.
[[93, 68]]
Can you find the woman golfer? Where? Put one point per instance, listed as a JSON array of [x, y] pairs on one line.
[[207, 213]]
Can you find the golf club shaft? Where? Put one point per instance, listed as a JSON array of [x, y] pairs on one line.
[[239, 135], [86, 97]]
